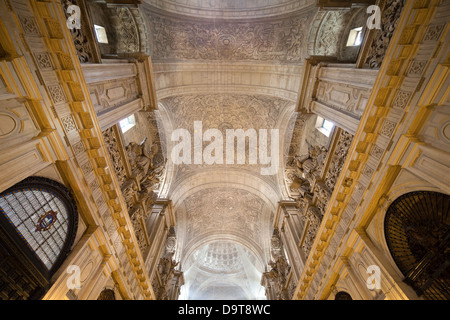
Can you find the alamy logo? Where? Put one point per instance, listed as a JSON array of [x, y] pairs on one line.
[[235, 140], [374, 21], [74, 21], [374, 279], [74, 280]]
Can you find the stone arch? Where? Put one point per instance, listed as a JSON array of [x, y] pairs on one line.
[[222, 262], [107, 294], [329, 32], [342, 295], [357, 19], [166, 126], [248, 193], [246, 243], [411, 184], [233, 9], [234, 178], [344, 284], [131, 30]]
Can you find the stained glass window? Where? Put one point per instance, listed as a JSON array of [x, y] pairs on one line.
[[42, 216]]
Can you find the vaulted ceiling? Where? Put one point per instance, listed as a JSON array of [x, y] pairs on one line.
[[231, 65]]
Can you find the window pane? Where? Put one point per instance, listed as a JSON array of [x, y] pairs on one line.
[[127, 123], [101, 34], [40, 218], [355, 37], [327, 125]]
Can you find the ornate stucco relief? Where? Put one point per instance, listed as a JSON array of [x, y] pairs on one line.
[[273, 40], [225, 210]]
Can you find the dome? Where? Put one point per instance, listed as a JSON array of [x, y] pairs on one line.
[[221, 257], [222, 270]]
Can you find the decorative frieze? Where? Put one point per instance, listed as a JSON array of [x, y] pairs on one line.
[[376, 152], [78, 147], [43, 60], [113, 149], [368, 171], [56, 93], [276, 280], [29, 26], [315, 180], [68, 123], [416, 67], [388, 128], [280, 40], [83, 39], [433, 32], [338, 159], [390, 15], [401, 99], [405, 70], [86, 168]]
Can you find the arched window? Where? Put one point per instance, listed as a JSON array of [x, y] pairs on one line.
[[38, 220], [342, 295], [417, 229]]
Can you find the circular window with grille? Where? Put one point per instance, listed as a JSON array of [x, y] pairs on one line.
[[417, 229], [342, 295]]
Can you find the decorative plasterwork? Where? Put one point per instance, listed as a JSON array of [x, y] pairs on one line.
[[131, 30], [224, 210], [326, 31], [73, 110], [371, 141], [280, 40], [296, 129], [347, 98], [390, 16], [226, 111], [230, 9], [83, 38], [222, 112], [221, 256], [222, 269]]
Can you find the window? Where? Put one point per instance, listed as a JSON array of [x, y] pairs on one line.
[[342, 295], [417, 230], [355, 37], [127, 123], [101, 34], [327, 125], [40, 214], [107, 294], [324, 126]]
